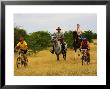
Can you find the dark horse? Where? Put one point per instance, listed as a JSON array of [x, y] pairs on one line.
[[76, 42]]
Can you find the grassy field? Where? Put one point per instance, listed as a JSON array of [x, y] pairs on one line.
[[45, 64]]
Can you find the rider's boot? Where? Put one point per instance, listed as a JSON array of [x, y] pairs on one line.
[[63, 47]]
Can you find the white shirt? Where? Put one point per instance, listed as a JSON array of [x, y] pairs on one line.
[[79, 32]]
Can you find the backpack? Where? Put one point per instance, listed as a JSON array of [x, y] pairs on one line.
[[84, 44]]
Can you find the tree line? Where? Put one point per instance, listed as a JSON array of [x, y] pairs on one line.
[[42, 39]]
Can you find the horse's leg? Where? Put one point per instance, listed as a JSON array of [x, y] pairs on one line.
[[57, 57], [79, 52], [74, 55], [79, 44], [64, 56], [82, 61]]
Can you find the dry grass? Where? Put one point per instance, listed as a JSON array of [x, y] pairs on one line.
[[45, 64]]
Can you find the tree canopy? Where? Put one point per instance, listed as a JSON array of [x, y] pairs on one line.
[[42, 39]]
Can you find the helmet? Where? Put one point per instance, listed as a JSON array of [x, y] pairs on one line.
[[84, 39]]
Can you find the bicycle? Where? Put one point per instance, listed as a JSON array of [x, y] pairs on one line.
[[21, 60], [85, 56]]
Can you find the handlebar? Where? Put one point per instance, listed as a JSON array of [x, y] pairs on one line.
[[84, 49]]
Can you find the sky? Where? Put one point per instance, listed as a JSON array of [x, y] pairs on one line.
[[50, 22]]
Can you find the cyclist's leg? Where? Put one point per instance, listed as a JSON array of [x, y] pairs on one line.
[[25, 56], [20, 51], [82, 55]]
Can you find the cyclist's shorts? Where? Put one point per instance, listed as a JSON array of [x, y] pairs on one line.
[[24, 51]]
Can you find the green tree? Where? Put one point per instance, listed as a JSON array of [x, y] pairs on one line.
[[68, 37], [94, 36], [17, 33], [89, 35], [39, 40]]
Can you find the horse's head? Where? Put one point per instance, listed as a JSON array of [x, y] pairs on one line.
[[75, 35], [55, 41], [76, 40]]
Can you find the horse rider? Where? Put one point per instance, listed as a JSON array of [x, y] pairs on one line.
[[60, 36], [79, 32], [22, 46]]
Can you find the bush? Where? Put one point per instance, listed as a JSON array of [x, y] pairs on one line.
[[68, 37], [94, 36], [39, 40], [42, 39], [89, 35]]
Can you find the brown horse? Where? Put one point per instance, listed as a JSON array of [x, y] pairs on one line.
[[76, 42]]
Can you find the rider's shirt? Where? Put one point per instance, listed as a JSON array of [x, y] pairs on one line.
[[22, 45], [59, 35], [78, 31]]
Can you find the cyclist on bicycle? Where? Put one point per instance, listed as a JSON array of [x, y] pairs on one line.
[[85, 46], [22, 46]]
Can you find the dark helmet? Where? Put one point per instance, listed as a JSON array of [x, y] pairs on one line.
[[84, 39]]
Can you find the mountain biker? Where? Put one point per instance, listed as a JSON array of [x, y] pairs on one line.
[[22, 46], [85, 45]]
